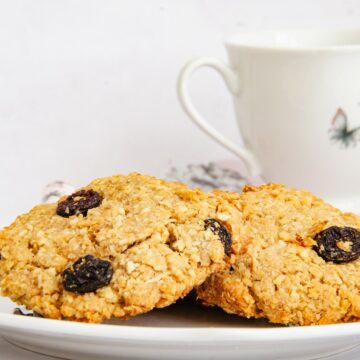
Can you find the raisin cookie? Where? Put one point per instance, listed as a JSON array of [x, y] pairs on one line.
[[120, 246], [301, 264]]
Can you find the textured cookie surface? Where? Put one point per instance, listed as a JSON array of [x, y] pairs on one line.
[[147, 241], [281, 274]]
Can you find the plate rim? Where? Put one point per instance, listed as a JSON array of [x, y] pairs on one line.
[[114, 332]]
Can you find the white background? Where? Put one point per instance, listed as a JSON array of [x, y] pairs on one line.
[[87, 88]]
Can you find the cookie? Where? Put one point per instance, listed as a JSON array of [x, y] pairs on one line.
[[301, 263], [120, 246]]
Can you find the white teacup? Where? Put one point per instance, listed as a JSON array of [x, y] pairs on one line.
[[297, 101]]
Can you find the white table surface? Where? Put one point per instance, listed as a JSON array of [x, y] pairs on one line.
[[10, 352]]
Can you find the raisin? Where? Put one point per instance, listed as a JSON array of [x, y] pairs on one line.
[[219, 229], [87, 274], [79, 203], [338, 244]]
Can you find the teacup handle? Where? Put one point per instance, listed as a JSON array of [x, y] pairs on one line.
[[231, 81]]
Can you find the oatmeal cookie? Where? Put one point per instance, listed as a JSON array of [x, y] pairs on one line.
[[120, 246], [301, 265]]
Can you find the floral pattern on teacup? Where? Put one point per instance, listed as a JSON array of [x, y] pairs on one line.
[[340, 131]]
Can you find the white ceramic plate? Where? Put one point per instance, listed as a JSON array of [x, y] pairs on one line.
[[182, 331]]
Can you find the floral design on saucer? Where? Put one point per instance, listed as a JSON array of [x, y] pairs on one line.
[[207, 177]]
